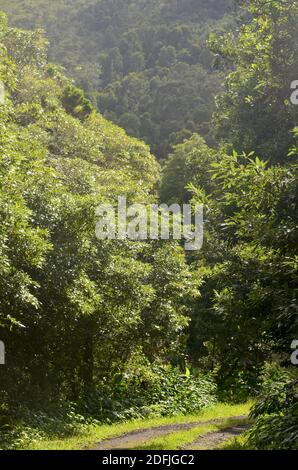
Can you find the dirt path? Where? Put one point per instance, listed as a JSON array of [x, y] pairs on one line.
[[212, 440], [140, 437]]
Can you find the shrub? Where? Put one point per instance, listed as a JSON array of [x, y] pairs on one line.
[[147, 390], [276, 412]]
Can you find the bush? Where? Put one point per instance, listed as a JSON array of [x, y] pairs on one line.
[[143, 390], [238, 386], [24, 426], [148, 390], [276, 412]]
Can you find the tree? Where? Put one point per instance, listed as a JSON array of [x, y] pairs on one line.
[[255, 112], [74, 309]]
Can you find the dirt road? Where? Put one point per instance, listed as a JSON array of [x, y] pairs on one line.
[[141, 437]]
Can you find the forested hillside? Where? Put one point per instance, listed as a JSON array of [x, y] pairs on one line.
[[74, 308], [144, 63], [104, 331]]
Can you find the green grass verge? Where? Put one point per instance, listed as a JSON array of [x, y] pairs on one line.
[[95, 434]]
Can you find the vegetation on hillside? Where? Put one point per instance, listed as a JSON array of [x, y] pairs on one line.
[[144, 63], [109, 330], [75, 310]]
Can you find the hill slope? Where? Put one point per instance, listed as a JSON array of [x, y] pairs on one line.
[[143, 63]]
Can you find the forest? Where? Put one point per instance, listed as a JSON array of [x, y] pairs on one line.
[[161, 102], [144, 64]]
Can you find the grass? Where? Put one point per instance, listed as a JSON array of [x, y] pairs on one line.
[[180, 439], [95, 434], [236, 443]]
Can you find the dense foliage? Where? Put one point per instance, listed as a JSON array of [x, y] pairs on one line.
[[248, 311], [151, 390], [255, 112], [110, 327], [74, 309], [276, 413], [143, 62], [143, 391]]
